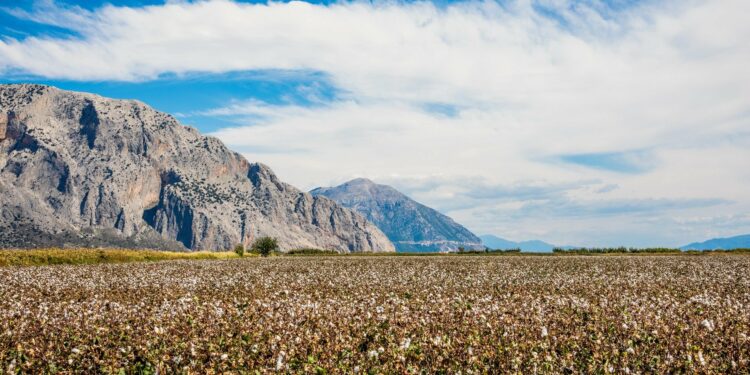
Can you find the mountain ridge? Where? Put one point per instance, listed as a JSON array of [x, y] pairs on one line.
[[79, 169], [723, 243], [497, 243], [410, 225]]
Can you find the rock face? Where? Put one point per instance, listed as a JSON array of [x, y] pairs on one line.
[[79, 169], [411, 226], [3, 125]]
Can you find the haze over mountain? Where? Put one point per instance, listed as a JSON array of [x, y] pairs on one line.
[[728, 243], [410, 225], [497, 243], [80, 169]]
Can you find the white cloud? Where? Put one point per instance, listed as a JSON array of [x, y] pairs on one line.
[[669, 79]]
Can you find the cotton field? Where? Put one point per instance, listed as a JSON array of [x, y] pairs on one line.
[[387, 314]]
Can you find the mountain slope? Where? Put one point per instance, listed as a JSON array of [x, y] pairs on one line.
[[411, 226], [79, 169], [729, 243], [497, 243]]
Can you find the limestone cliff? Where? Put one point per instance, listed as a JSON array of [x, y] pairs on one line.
[[79, 169]]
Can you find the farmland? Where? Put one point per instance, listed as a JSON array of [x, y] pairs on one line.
[[38, 257], [385, 314]]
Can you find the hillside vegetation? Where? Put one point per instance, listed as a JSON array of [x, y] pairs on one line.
[[90, 256]]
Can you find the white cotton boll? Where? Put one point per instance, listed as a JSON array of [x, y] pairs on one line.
[[707, 324], [280, 361], [406, 343], [544, 332]]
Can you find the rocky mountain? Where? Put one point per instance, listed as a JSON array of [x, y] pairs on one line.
[[729, 243], [82, 170], [497, 243], [411, 226]]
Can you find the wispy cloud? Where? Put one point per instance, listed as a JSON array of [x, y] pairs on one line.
[[455, 193], [598, 208], [538, 198], [49, 13]]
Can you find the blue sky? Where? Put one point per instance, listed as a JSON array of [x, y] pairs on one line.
[[187, 95], [634, 161], [576, 122]]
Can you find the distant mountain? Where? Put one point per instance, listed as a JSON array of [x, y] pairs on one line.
[[410, 225], [736, 242], [82, 170], [497, 243]]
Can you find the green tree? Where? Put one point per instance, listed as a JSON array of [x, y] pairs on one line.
[[265, 245], [239, 250]]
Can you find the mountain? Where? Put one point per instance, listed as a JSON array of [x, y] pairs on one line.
[[497, 243], [729, 243], [82, 170], [411, 226]]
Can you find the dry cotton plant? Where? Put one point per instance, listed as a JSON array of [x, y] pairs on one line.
[[472, 314]]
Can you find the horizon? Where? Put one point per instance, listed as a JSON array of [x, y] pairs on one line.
[[618, 124]]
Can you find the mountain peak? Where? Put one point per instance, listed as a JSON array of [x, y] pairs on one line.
[[410, 225], [360, 181]]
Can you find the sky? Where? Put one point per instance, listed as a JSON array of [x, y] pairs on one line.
[[587, 123]]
